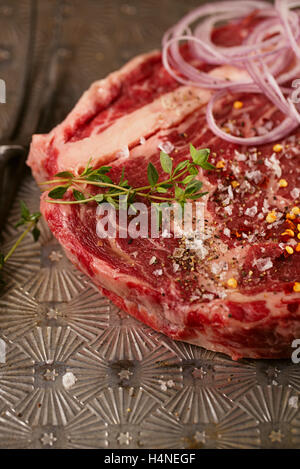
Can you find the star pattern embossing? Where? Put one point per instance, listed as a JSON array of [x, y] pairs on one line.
[[124, 439], [48, 439], [50, 375]]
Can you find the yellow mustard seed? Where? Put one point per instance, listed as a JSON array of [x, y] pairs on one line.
[[271, 217], [220, 164], [277, 148], [232, 283], [283, 183], [296, 287], [238, 104], [288, 232]]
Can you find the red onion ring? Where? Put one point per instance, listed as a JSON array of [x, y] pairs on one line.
[[269, 55], [283, 9]]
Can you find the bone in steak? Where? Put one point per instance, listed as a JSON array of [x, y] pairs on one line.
[[186, 296]]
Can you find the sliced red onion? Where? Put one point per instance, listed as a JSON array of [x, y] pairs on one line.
[[283, 9], [268, 55], [190, 76]]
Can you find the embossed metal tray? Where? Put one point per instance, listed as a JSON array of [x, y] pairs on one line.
[[75, 372]]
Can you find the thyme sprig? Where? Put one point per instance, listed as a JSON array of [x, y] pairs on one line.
[[181, 184], [30, 222]]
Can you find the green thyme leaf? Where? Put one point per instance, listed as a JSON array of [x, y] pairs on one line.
[[179, 193], [199, 157], [99, 198], [158, 211], [58, 192], [65, 174], [30, 221], [161, 190], [152, 175], [188, 179], [131, 196], [181, 166], [193, 170], [166, 162], [25, 212], [20, 223], [88, 169], [99, 178], [112, 202], [35, 216], [122, 177], [193, 187], [78, 195], [196, 196], [104, 169], [36, 233], [208, 166], [133, 209]]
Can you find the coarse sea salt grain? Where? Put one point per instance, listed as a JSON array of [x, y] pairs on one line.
[[251, 211], [208, 296], [142, 140], [222, 295], [123, 152], [158, 272], [273, 163], [295, 193], [292, 242], [68, 380], [293, 402], [255, 176], [263, 264], [228, 210], [227, 232], [152, 260], [167, 147], [265, 208], [216, 267], [230, 192], [240, 156]]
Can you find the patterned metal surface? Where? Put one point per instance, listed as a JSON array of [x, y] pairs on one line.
[[75, 372]]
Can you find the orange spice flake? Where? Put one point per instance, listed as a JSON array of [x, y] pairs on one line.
[[232, 283], [238, 104], [283, 183], [296, 287], [288, 232], [271, 217], [289, 249], [220, 164], [277, 148]]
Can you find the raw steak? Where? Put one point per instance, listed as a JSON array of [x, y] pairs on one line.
[[177, 286]]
